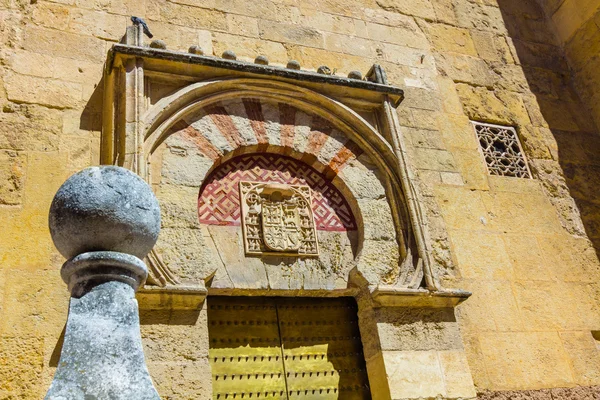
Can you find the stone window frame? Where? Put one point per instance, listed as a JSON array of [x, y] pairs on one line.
[[525, 172]]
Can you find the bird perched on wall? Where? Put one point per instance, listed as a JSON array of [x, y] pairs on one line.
[[139, 21]]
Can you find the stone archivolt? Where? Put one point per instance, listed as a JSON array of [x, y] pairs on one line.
[[226, 126], [161, 105]]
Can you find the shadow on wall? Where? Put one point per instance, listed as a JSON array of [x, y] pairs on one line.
[[571, 126], [91, 117]]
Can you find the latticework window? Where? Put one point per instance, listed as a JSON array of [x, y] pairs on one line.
[[501, 150]]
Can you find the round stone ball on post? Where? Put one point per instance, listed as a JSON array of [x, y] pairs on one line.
[[104, 220]]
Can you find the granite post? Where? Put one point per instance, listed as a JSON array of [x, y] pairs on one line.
[[104, 220]]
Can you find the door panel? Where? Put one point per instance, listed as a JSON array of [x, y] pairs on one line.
[[286, 348], [322, 349], [245, 350]]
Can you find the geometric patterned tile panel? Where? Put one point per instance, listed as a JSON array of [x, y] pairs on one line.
[[219, 199], [501, 150]]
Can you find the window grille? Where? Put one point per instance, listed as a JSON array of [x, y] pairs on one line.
[[502, 151]]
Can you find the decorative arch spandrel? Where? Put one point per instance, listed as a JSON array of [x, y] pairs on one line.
[[255, 140], [361, 111]]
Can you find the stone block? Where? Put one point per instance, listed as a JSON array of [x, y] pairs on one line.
[[406, 34], [100, 24], [481, 104], [452, 178], [197, 17], [63, 44], [527, 259], [190, 380], [425, 119], [245, 272], [183, 164], [363, 182], [30, 63], [242, 25], [12, 174], [485, 45], [486, 260], [555, 305], [465, 68], [472, 168], [444, 12], [37, 301], [426, 99], [312, 58], [583, 355], [179, 206], [21, 364], [262, 9], [446, 38], [475, 358], [325, 22], [379, 261], [404, 55], [420, 8], [457, 376], [287, 33], [434, 159], [426, 139], [180, 336], [536, 55], [341, 44], [535, 359], [462, 209], [51, 93], [480, 16], [414, 374], [188, 253], [450, 101], [249, 48], [377, 219], [525, 213], [84, 72], [410, 329], [52, 15]]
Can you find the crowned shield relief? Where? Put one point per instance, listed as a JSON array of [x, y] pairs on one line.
[[277, 219]]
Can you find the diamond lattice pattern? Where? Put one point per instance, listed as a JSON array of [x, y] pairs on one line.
[[219, 201]]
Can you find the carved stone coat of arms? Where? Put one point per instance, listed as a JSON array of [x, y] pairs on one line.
[[277, 219]]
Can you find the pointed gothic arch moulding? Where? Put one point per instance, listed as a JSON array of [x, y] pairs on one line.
[[186, 123]]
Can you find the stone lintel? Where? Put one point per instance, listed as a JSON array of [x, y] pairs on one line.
[[389, 296], [171, 297], [349, 292], [227, 66]]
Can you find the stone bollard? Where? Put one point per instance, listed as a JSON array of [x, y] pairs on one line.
[[104, 220]]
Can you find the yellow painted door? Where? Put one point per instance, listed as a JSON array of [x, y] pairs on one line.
[[322, 350], [286, 348], [245, 349]]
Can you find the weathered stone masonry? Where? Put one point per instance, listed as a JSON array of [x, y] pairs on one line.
[[527, 249]]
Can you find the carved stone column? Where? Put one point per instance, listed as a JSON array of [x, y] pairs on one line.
[[104, 220]]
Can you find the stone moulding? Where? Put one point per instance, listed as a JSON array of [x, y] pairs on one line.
[[135, 124], [396, 94], [389, 296]]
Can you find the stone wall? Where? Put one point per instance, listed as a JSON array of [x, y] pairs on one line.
[[577, 27], [527, 249]]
